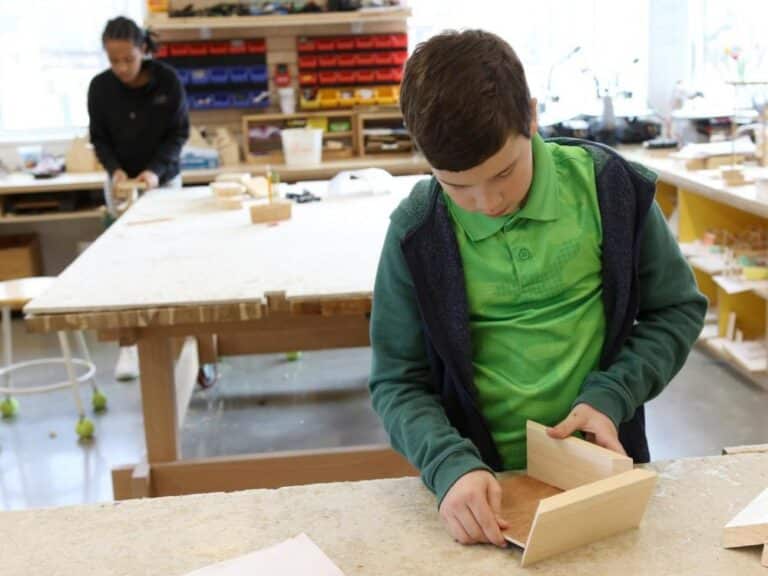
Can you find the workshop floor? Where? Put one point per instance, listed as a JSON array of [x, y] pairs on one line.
[[263, 403]]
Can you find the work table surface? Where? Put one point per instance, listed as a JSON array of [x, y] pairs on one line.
[[387, 527]]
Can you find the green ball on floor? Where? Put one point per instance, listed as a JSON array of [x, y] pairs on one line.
[[9, 407], [99, 401], [84, 429], [292, 356]]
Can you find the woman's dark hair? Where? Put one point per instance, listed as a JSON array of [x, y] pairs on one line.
[[122, 28]]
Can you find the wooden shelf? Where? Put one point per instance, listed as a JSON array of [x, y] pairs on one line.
[[53, 217], [162, 23], [347, 134], [715, 350]]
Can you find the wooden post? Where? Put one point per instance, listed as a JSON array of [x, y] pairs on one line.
[[158, 399]]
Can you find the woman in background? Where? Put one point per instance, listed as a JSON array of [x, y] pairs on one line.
[[138, 124]]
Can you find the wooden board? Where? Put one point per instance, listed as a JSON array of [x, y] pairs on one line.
[[764, 560], [750, 526], [571, 462], [588, 513], [520, 498], [205, 256]]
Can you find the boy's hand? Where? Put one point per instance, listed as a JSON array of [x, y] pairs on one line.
[[149, 178], [597, 428], [118, 176], [471, 509]]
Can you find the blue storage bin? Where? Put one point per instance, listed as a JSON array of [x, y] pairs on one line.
[[183, 74], [199, 75], [201, 101], [218, 75], [258, 99], [241, 100], [221, 100], [238, 74], [257, 74]]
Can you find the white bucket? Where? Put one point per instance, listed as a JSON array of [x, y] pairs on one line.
[[302, 146], [287, 100]]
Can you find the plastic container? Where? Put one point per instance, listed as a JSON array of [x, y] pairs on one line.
[[327, 61], [241, 100], [346, 60], [201, 100], [345, 43], [327, 78], [346, 76], [306, 45], [255, 46], [363, 42], [179, 49], [383, 58], [307, 62], [287, 100], [347, 98], [365, 76], [386, 95], [198, 49], [162, 51], [328, 98], [382, 41], [257, 74], [218, 48], [258, 99], [183, 75], [237, 47], [309, 103], [238, 74], [399, 40], [365, 59], [218, 75], [399, 58], [221, 100], [302, 146], [365, 96], [199, 76], [324, 44], [308, 79]]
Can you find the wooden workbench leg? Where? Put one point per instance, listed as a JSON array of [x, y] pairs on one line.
[[765, 555], [158, 398], [207, 349]]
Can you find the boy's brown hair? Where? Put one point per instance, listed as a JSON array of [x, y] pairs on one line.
[[463, 95]]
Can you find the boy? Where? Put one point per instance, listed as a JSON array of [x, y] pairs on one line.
[[525, 280]]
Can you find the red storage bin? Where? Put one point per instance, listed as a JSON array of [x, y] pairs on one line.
[[161, 52], [198, 49], [363, 42], [255, 46], [365, 59], [237, 47], [306, 45], [397, 75], [324, 44], [345, 43], [382, 41], [218, 48], [385, 75], [307, 62], [179, 49], [327, 61], [327, 78], [308, 79], [382, 58], [346, 60], [399, 58], [365, 76], [399, 40], [346, 76]]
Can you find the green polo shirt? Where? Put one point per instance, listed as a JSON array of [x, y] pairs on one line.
[[533, 281]]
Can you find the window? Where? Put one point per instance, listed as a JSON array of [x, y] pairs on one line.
[[49, 51]]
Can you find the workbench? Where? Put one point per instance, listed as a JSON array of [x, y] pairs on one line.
[[704, 202], [381, 527], [190, 282]]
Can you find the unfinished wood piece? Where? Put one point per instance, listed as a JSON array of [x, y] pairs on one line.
[[258, 187], [185, 376], [231, 202], [764, 560], [732, 175], [571, 462], [272, 212], [750, 526], [520, 499], [745, 449], [158, 399], [225, 189], [141, 481], [239, 177], [588, 513]]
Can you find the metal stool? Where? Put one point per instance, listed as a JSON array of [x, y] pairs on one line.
[[16, 294]]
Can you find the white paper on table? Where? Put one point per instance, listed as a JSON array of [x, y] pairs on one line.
[[298, 556]]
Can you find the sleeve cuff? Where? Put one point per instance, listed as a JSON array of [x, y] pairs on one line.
[[603, 399], [453, 468]]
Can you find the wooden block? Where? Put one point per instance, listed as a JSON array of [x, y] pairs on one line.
[[746, 449], [730, 332], [239, 177], [571, 462], [732, 175], [588, 513], [764, 560], [520, 499], [141, 481], [273, 212], [258, 187], [230, 202], [227, 189], [750, 526]]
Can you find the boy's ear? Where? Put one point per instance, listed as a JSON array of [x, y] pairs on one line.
[[534, 104]]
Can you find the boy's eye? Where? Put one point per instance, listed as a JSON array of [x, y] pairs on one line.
[[504, 174]]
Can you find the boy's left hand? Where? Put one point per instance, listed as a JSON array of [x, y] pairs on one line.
[[597, 428]]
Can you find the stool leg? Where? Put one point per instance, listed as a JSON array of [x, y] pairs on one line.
[[99, 399], [9, 407], [84, 427]]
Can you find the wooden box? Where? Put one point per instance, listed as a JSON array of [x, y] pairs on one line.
[[19, 256], [574, 493]]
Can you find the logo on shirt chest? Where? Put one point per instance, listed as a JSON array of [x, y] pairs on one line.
[[160, 99]]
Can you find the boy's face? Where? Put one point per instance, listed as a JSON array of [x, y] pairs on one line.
[[499, 185]]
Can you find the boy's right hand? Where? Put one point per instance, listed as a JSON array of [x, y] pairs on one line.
[[471, 510]]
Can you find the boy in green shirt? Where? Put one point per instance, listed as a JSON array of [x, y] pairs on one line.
[[526, 280]]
